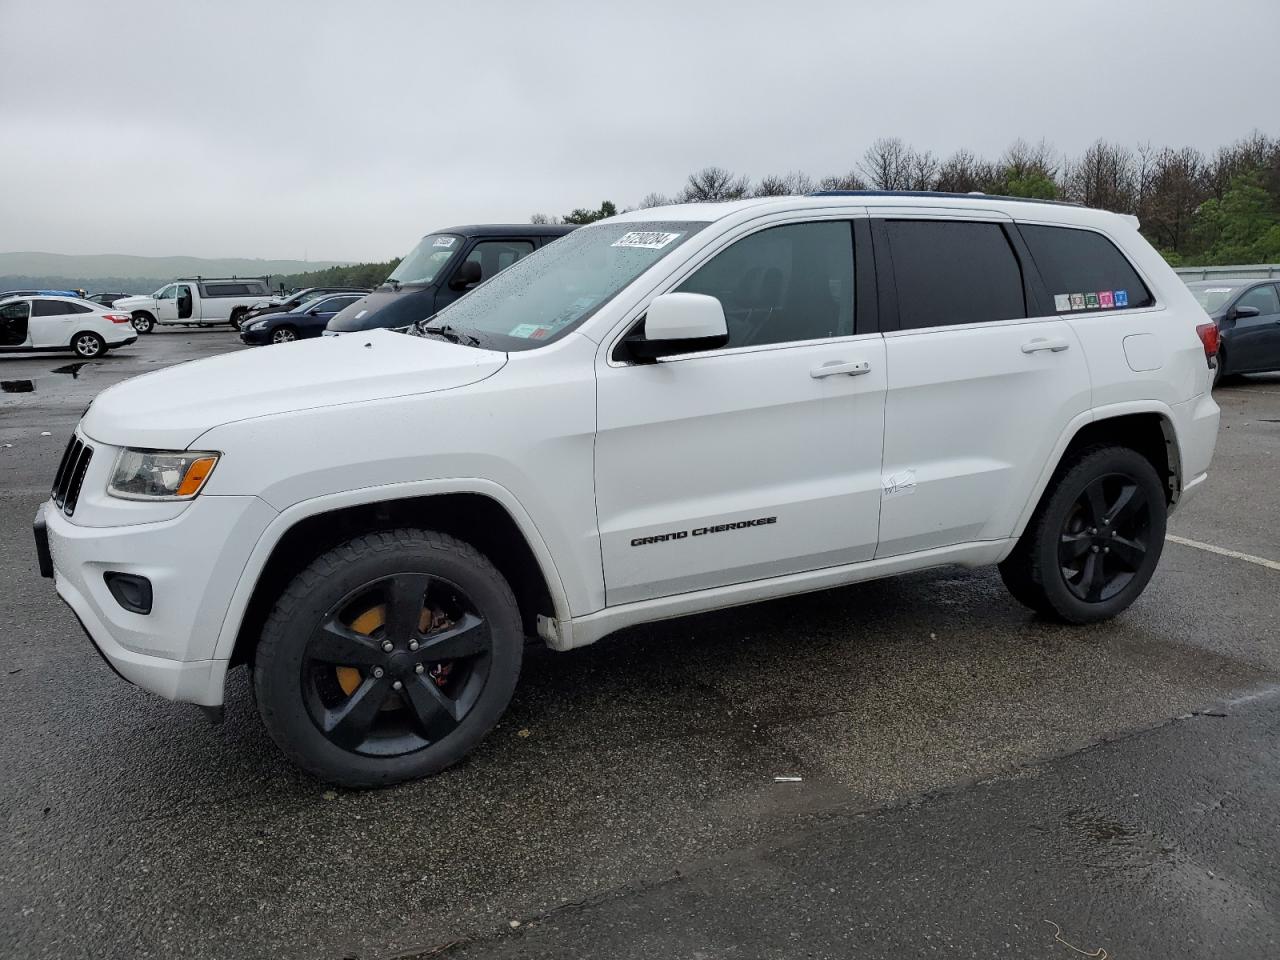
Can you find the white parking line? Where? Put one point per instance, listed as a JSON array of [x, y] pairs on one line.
[[1224, 552]]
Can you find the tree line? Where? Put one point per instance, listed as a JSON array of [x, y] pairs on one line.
[[1195, 208]]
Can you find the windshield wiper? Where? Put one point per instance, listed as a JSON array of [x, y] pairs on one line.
[[391, 282], [452, 334]]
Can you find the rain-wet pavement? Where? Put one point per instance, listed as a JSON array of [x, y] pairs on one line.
[[132, 828]]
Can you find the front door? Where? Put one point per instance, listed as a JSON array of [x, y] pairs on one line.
[[1255, 341], [15, 324], [982, 382], [485, 259], [752, 461], [167, 304]]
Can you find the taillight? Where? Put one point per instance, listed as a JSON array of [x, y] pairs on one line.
[[117, 317], [1208, 333]]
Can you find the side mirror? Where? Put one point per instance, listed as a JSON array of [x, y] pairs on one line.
[[678, 323], [1239, 313], [313, 312], [468, 275]]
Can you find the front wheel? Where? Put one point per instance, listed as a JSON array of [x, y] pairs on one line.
[[284, 335], [143, 322], [88, 345], [389, 658], [1094, 540]]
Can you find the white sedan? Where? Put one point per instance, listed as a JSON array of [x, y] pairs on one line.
[[48, 324]]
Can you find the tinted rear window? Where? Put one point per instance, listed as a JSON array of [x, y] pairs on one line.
[[49, 308], [951, 272], [1083, 270]]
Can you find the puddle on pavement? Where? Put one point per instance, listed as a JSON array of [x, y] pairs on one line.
[[1111, 846], [71, 370]]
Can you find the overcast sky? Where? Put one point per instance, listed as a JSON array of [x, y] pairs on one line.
[[345, 130]]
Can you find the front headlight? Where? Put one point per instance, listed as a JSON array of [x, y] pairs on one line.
[[160, 474], [259, 325]]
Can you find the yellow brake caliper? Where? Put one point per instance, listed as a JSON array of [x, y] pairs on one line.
[[349, 677]]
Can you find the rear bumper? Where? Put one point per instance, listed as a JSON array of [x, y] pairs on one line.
[[1196, 424], [133, 338]]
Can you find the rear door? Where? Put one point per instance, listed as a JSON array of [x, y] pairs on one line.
[[51, 323], [982, 379], [1255, 341]]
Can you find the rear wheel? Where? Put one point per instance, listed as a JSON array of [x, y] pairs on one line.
[[389, 658], [143, 322], [88, 345], [284, 335], [236, 316], [1094, 540]]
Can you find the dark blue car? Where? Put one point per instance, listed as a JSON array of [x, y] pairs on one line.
[[308, 320]]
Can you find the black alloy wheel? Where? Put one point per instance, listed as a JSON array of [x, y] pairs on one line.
[[397, 665], [1103, 543]]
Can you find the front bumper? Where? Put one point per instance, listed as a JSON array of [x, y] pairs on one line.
[[254, 338], [194, 562]]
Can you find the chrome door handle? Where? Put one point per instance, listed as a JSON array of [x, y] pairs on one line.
[[854, 368], [1055, 345]]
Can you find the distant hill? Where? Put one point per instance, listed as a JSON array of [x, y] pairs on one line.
[[108, 265]]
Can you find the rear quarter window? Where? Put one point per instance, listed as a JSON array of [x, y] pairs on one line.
[[1083, 270]]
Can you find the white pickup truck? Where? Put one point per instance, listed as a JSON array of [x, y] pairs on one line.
[[197, 302]]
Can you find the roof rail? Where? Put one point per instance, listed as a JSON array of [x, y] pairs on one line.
[[976, 195]]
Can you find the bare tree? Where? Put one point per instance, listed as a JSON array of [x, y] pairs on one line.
[[1023, 160], [887, 164], [922, 170], [1177, 185], [1104, 177], [654, 200], [843, 181], [1251, 153], [962, 172], [795, 183], [714, 184], [543, 218]]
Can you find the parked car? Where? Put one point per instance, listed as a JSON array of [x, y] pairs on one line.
[[293, 301], [670, 411], [198, 302], [1247, 313], [107, 299], [440, 269], [39, 293], [52, 324], [306, 321]]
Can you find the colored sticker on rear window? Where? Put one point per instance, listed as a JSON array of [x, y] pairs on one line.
[[646, 239], [443, 241], [1077, 301], [1062, 302], [1122, 298], [1091, 301], [1105, 300], [530, 331]]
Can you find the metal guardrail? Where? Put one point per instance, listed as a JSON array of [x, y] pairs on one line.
[[1251, 270]]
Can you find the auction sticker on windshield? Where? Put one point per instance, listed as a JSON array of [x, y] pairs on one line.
[[646, 239], [444, 241], [530, 331]]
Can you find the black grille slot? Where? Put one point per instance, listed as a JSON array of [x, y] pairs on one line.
[[70, 477]]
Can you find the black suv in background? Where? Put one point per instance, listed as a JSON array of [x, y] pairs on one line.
[[293, 302], [440, 269]]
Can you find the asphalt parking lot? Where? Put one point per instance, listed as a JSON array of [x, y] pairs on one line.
[[971, 778]]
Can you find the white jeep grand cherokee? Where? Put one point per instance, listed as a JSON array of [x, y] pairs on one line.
[[671, 411]]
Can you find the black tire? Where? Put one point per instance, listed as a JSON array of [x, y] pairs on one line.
[[284, 334], [143, 322], [87, 345], [316, 720], [1094, 540], [235, 318]]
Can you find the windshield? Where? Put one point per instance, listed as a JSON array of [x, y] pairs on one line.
[[424, 262], [1212, 299], [548, 293]]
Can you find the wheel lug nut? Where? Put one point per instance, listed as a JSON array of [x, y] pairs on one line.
[[388, 646], [413, 644], [419, 668], [397, 685], [1094, 548], [1106, 549], [377, 673]]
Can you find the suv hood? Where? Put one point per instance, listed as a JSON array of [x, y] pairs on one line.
[[170, 409]]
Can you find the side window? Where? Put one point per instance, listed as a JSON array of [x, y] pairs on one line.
[[494, 256], [49, 308], [167, 293], [15, 311], [339, 303], [77, 308], [951, 272], [1263, 297], [783, 284], [1083, 270]]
